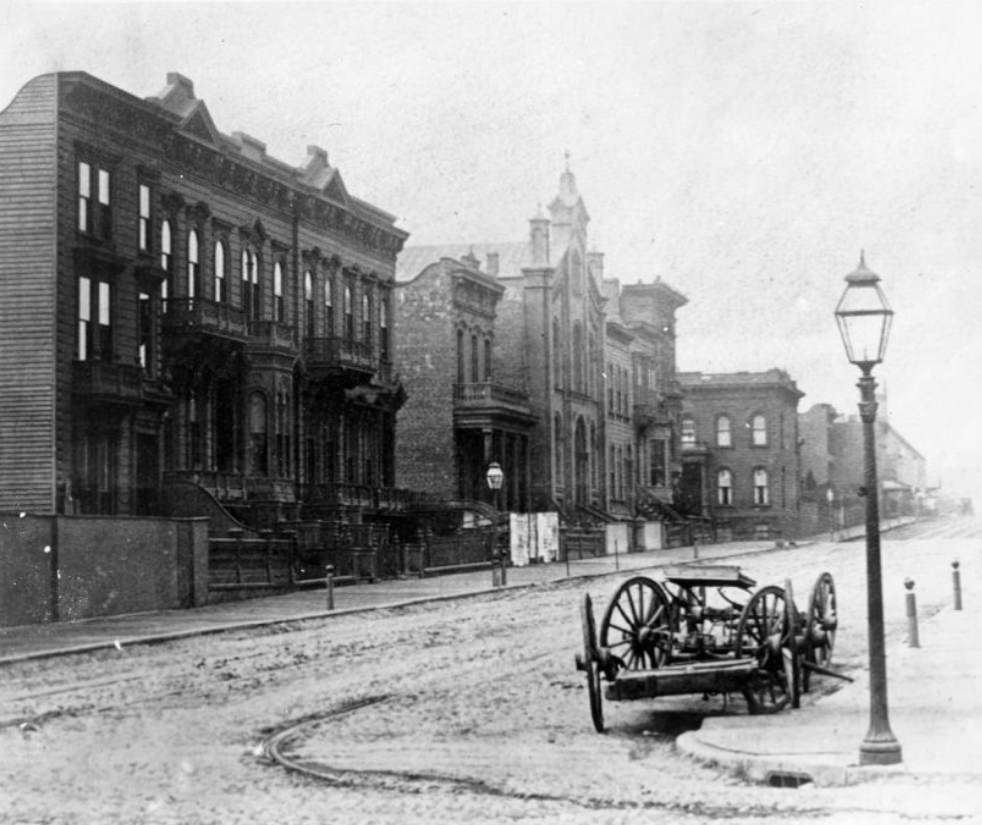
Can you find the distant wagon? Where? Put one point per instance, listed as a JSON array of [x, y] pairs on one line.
[[698, 632]]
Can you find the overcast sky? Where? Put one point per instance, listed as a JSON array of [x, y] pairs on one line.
[[744, 152]]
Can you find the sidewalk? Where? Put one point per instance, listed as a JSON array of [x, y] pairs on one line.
[[63, 638], [935, 708]]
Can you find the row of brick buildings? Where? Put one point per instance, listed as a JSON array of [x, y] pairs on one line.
[[188, 325]]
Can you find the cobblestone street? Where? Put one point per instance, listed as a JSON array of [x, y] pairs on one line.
[[468, 710]]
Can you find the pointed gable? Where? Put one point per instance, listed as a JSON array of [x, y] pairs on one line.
[[200, 125]]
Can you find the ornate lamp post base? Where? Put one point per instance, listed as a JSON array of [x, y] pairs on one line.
[[880, 749]]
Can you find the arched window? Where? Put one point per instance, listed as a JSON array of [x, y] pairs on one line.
[[758, 428], [221, 283], [308, 302], [724, 435], [349, 312], [461, 374], [279, 307], [383, 328], [194, 287], [251, 304], [579, 380], [761, 495], [557, 426], [557, 354], [166, 260], [724, 487], [329, 308], [366, 317], [688, 430]]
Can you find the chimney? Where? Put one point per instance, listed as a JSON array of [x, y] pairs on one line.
[[539, 235], [493, 264], [181, 82]]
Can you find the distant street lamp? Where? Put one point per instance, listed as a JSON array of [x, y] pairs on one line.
[[864, 319], [495, 477]]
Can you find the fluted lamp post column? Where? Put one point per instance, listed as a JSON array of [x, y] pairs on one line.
[[864, 319]]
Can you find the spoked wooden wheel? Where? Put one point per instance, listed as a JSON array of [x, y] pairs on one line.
[[637, 627], [589, 662], [823, 620], [764, 632]]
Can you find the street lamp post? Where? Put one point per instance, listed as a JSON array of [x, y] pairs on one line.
[[864, 319], [495, 477]]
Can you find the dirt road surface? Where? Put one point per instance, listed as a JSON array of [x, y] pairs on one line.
[[462, 711]]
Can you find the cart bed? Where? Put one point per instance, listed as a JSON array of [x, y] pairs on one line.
[[724, 676], [709, 575]]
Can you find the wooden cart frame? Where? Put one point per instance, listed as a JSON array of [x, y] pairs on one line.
[[702, 631]]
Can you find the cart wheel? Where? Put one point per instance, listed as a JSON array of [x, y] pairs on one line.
[[637, 627], [764, 632], [589, 662], [823, 620]]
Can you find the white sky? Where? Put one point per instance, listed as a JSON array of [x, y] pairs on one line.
[[744, 152]]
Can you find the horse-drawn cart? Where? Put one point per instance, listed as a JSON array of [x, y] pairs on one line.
[[697, 632]]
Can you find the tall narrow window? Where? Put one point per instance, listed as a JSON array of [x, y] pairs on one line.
[[383, 328], [724, 487], [251, 303], [103, 224], [329, 308], [84, 196], [308, 303], [658, 462], [475, 361], [258, 463], [349, 313], [195, 432], [283, 434], [461, 376], [84, 317], [194, 287], [758, 426], [166, 260], [104, 346], [688, 430], [761, 496], [279, 308], [366, 317], [557, 355], [143, 228], [487, 359], [94, 217], [723, 432], [221, 281], [611, 380], [146, 332]]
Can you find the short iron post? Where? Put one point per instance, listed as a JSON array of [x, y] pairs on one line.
[[956, 582], [566, 554], [503, 561], [912, 637], [329, 585], [617, 558], [695, 548]]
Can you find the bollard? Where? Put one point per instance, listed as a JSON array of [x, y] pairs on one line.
[[912, 638], [617, 558], [567, 561], [956, 581], [504, 566], [695, 548], [329, 584]]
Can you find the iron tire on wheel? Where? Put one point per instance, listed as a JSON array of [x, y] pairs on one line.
[[764, 633], [822, 622], [637, 626], [590, 663]]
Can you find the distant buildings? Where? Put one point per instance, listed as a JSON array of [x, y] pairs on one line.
[[741, 463], [563, 377], [833, 470]]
